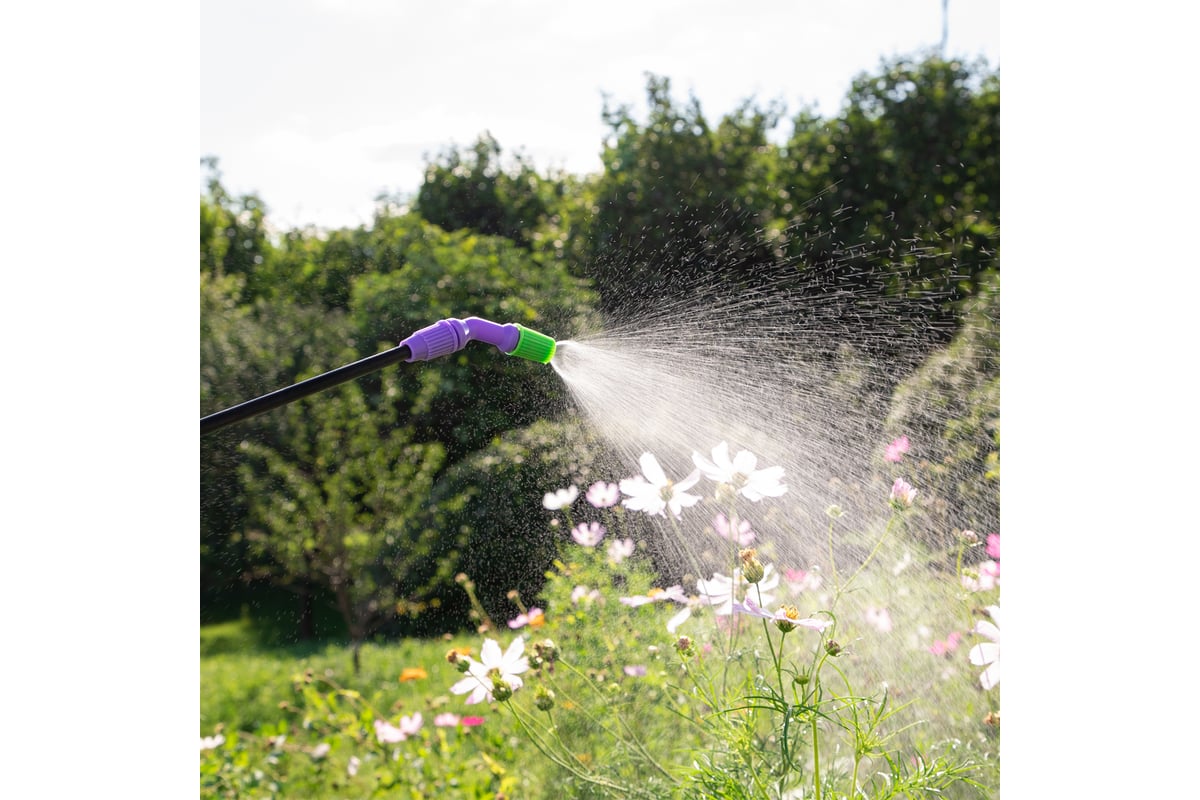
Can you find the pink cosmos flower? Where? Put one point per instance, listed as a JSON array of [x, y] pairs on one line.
[[744, 536], [588, 534], [352, 766], [560, 498], [986, 578], [993, 545], [387, 733], [446, 720], [902, 493], [321, 750], [653, 493], [211, 742], [534, 617], [988, 653], [879, 618], [620, 549], [603, 495], [947, 646], [799, 580], [741, 473], [896, 450], [635, 670], [471, 722]]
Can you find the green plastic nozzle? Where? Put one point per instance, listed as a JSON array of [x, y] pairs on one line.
[[533, 346]]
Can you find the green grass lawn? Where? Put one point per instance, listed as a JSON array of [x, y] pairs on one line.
[[296, 720]]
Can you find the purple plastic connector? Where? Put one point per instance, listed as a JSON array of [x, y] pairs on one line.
[[451, 335]]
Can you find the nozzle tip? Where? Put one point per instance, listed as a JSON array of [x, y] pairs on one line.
[[533, 346]]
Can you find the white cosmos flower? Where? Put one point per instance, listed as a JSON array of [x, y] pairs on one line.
[[654, 493], [656, 595], [477, 684], [560, 498], [721, 591], [781, 616], [988, 653], [740, 473]]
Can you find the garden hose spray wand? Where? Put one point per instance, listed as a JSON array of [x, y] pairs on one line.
[[439, 339]]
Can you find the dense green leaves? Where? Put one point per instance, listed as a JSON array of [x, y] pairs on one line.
[[333, 508], [383, 489], [475, 192], [679, 200]]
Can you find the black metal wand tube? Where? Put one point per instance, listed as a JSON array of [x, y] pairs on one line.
[[317, 383]]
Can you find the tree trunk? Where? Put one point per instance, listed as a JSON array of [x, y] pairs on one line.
[[308, 628]]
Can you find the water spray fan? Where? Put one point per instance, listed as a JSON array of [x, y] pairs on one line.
[[434, 341]]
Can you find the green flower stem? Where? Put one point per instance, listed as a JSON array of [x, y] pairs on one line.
[[569, 763], [870, 557], [816, 746], [733, 628], [709, 696], [777, 660], [633, 737], [832, 561]]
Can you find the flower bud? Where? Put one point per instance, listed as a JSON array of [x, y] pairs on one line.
[[546, 651], [787, 624], [833, 648], [501, 690], [969, 537], [543, 698], [902, 494], [726, 494], [752, 568], [834, 511], [685, 646]]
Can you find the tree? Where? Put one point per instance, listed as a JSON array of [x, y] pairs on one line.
[[466, 399], [334, 509], [904, 182], [680, 201], [246, 350], [233, 233], [473, 191]]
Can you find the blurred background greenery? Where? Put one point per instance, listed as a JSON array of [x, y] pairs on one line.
[[347, 515]]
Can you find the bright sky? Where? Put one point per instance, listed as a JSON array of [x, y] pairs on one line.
[[319, 105]]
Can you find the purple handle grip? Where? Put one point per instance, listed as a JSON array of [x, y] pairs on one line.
[[451, 335]]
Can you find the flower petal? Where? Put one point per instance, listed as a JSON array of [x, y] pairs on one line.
[[745, 462], [514, 657], [990, 676], [984, 653], [653, 472], [985, 628], [674, 622], [489, 654], [688, 482]]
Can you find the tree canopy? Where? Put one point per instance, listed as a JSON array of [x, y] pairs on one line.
[[363, 494]]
